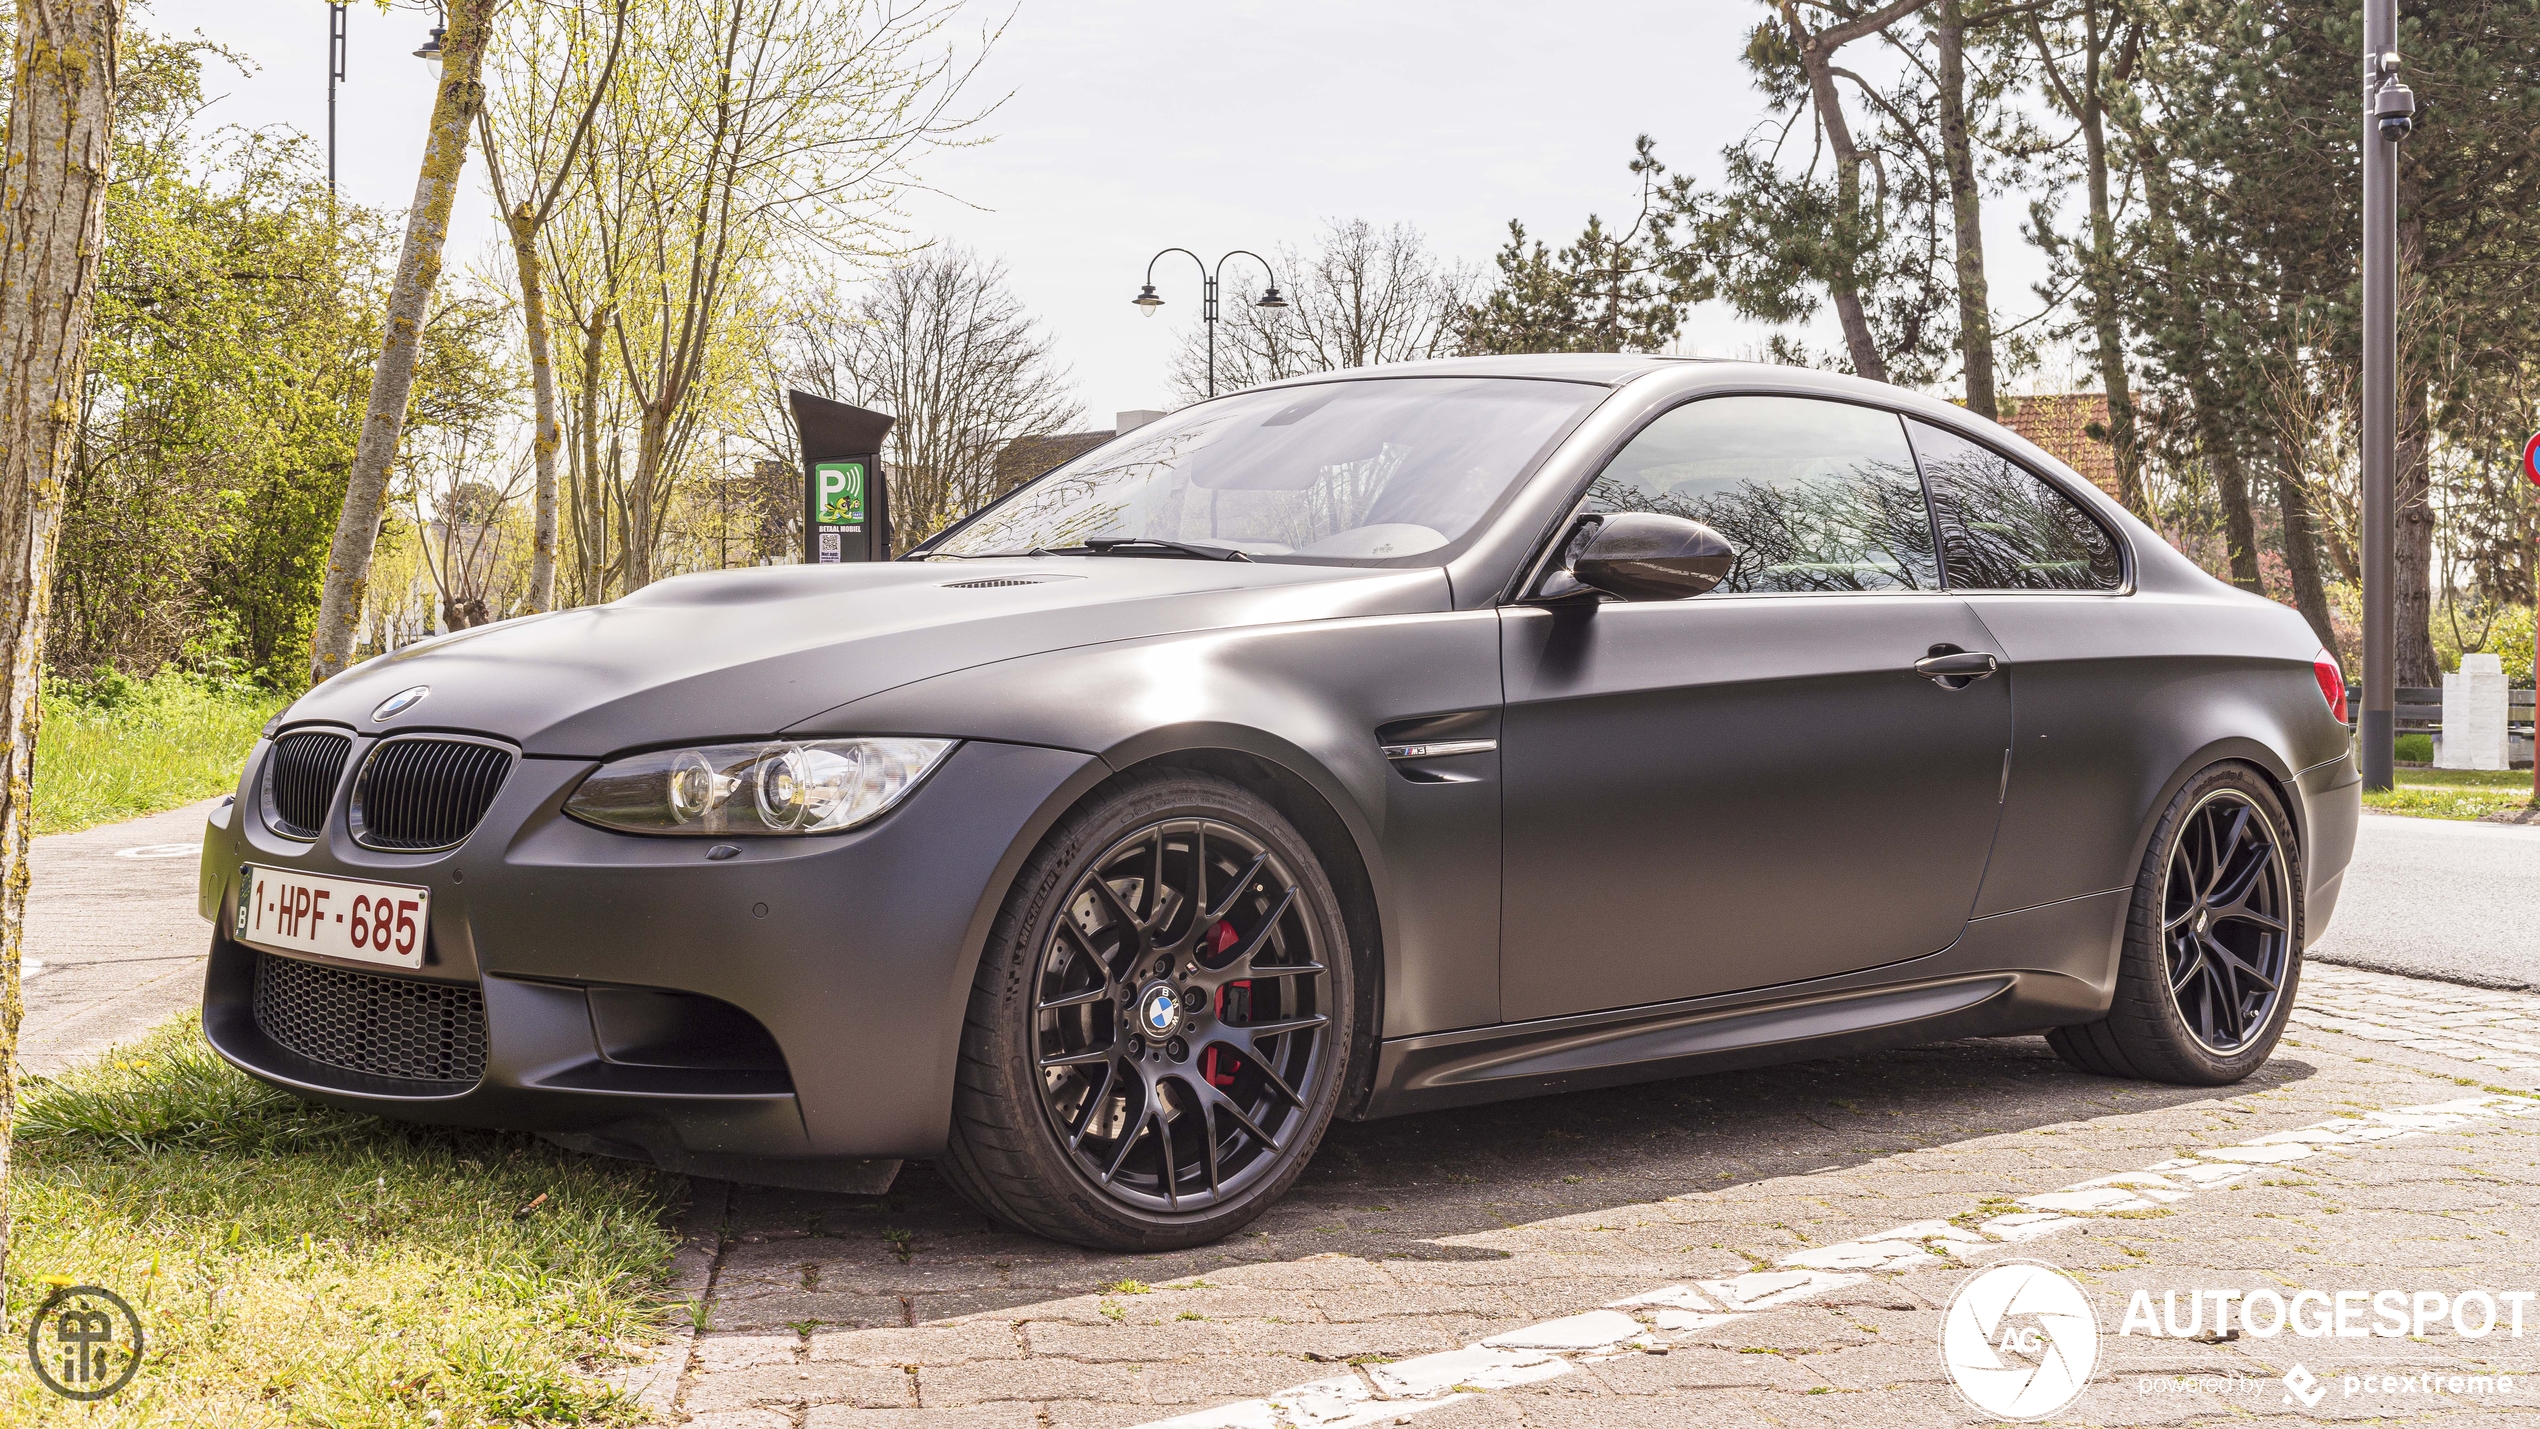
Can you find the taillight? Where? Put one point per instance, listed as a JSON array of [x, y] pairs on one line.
[[2332, 683]]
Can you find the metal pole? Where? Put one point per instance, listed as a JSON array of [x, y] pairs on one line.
[[2376, 725], [334, 75], [1208, 315]]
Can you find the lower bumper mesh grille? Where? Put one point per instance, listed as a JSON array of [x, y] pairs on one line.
[[362, 1022]]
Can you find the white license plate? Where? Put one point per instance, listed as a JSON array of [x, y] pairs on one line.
[[289, 911]]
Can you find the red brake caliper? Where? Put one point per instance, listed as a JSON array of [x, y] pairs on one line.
[[1223, 1074]]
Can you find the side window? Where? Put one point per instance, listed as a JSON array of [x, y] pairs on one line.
[[2003, 527], [1816, 496]]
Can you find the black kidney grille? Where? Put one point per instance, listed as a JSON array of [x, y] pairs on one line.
[[300, 775], [362, 1022], [426, 793]]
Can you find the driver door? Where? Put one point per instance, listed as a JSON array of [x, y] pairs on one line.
[[1752, 787]]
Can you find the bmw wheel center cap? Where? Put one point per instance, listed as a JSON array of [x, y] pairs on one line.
[[1160, 1011]]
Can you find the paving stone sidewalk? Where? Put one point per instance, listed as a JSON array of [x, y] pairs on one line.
[[1423, 1235]]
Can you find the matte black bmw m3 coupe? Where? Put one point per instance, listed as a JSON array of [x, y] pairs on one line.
[[1354, 746]]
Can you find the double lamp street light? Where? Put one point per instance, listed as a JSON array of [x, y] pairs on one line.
[[1270, 298]]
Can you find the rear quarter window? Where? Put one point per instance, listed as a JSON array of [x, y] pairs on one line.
[[2004, 527]]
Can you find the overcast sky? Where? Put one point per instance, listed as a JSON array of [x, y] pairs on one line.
[[1134, 124]]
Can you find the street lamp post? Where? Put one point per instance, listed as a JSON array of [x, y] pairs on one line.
[[1147, 299], [2389, 110], [334, 77]]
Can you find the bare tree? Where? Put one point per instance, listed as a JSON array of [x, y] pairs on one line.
[[1816, 51], [1365, 295], [553, 83], [941, 343], [468, 527], [61, 124], [736, 135], [454, 111]]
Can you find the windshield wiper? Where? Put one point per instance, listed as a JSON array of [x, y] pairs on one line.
[[1144, 546]]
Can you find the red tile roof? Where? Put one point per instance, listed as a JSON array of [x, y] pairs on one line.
[[2061, 422]]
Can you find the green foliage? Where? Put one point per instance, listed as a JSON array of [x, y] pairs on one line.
[[2504, 632], [296, 1265], [116, 748], [236, 321], [1606, 292]]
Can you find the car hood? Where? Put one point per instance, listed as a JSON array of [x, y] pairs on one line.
[[744, 654]]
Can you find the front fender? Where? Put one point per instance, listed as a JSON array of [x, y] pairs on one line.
[[1310, 699]]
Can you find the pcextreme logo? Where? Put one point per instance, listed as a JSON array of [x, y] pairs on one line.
[[2019, 1340]]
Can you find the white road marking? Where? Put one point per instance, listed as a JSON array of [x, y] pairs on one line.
[[191, 850], [1554, 1347]]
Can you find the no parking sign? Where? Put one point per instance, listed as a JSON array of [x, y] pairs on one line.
[[2531, 458]]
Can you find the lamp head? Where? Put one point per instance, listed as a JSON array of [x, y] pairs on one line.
[[430, 51], [1270, 298], [1147, 301]]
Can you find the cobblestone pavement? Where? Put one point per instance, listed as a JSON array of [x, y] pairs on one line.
[[1776, 1246]]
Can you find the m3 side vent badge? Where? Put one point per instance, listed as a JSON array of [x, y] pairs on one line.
[[400, 702]]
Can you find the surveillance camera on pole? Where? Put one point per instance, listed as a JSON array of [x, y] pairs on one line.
[[2389, 116]]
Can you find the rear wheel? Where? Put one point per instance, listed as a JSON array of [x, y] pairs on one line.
[[2213, 947], [1157, 1035]]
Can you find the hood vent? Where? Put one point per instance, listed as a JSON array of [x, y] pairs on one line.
[[995, 582]]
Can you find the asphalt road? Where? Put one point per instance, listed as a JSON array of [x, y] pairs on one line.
[[2439, 898], [113, 943]]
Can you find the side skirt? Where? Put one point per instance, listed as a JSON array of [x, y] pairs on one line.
[[2008, 974]]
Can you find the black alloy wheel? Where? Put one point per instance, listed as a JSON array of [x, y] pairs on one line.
[[1181, 1005], [1160, 1025], [2226, 922], [2213, 946]]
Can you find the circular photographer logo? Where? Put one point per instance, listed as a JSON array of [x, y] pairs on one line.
[[85, 1343], [2019, 1340]]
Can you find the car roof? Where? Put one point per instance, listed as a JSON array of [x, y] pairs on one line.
[[1604, 368]]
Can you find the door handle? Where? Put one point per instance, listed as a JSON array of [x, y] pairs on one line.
[[1957, 669]]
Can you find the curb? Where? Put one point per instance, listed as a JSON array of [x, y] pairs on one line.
[[655, 1386]]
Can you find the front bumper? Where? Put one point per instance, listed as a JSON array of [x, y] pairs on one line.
[[854, 952]]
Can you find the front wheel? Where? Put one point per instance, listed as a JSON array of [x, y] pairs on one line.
[[2213, 947], [1158, 1033]]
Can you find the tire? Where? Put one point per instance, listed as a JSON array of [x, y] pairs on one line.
[[2212, 960], [1102, 1102]]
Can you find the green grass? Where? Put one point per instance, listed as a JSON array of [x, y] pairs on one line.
[[118, 748], [2454, 793], [294, 1265]]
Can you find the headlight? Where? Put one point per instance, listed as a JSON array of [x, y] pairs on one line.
[[782, 787]]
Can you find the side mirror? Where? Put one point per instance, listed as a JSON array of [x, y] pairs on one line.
[[1641, 555]]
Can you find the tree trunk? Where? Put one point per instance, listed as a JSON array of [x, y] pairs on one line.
[[60, 141], [2415, 541], [2411, 503], [643, 502], [1975, 301], [2100, 273], [2302, 548], [409, 303], [2231, 485], [1816, 62], [523, 223]]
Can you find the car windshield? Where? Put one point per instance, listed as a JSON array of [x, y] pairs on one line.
[[1357, 471]]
